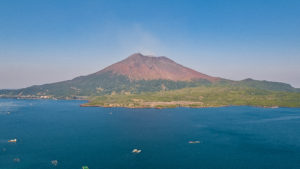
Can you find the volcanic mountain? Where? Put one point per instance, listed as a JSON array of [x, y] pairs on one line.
[[141, 67], [136, 74]]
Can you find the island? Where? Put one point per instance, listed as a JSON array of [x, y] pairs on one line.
[[142, 81]]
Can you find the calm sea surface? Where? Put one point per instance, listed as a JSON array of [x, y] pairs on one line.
[[103, 138]]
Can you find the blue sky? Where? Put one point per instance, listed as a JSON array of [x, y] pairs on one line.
[[54, 40]]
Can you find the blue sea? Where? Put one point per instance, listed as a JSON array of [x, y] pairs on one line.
[[103, 138]]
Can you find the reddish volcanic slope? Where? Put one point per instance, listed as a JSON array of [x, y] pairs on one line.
[[141, 67]]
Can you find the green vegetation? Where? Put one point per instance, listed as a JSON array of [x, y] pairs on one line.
[[203, 96], [111, 90], [108, 83], [266, 85], [102, 84]]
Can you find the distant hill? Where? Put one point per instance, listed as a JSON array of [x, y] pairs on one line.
[[139, 74]]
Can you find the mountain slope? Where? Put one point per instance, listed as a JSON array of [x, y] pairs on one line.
[[141, 67]]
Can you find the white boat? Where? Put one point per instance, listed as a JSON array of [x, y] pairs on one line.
[[12, 140], [136, 151], [194, 142], [54, 162]]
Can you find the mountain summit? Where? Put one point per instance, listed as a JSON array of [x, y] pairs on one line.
[[143, 67]]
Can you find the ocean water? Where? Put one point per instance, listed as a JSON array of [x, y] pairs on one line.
[[103, 138]]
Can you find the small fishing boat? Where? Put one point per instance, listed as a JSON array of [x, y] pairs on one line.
[[136, 151], [54, 162], [12, 141]]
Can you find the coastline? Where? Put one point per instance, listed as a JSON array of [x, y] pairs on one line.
[[180, 106], [147, 107], [132, 106], [41, 98]]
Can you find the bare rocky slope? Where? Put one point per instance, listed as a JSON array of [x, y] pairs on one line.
[[141, 67]]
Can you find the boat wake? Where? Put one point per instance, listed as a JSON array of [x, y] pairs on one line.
[[275, 119]]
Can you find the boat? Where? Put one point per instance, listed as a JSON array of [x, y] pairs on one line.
[[12, 141], [54, 162], [136, 151], [194, 142], [85, 167], [17, 160]]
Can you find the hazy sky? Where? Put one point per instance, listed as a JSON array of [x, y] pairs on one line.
[[48, 41]]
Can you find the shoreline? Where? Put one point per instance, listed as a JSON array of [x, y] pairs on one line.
[[146, 107], [141, 107], [37, 98]]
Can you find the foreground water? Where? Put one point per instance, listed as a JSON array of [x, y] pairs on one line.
[[103, 138]]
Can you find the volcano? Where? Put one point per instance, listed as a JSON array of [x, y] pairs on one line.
[[137, 73], [143, 67]]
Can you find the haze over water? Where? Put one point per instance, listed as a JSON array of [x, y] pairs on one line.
[[230, 137]]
